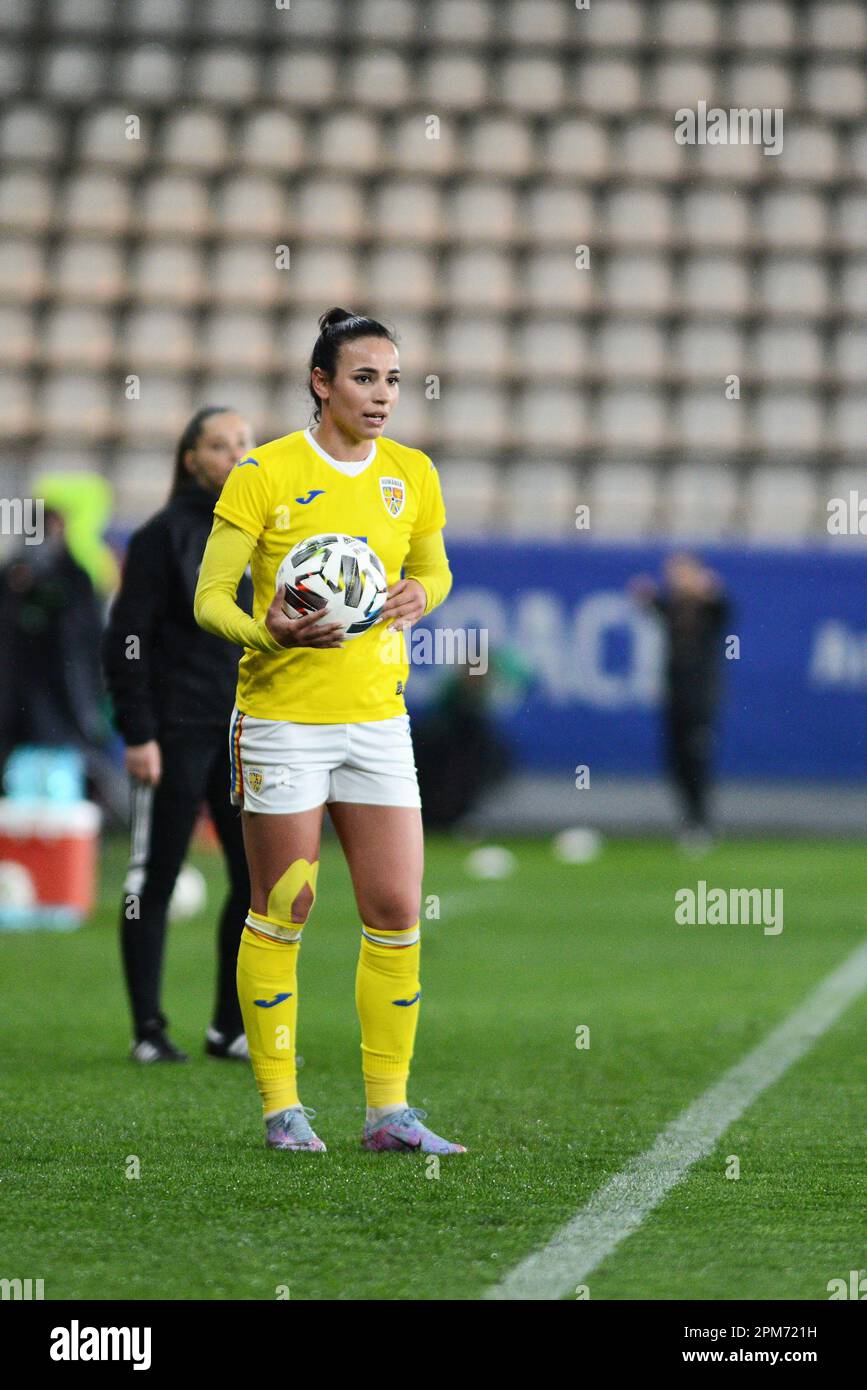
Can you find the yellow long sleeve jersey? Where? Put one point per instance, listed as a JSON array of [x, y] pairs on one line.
[[279, 495]]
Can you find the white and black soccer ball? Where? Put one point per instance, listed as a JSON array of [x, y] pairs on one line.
[[340, 574]]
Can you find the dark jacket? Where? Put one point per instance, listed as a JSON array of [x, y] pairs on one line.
[[176, 676]]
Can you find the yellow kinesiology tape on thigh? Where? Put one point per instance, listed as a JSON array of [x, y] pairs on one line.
[[278, 920]]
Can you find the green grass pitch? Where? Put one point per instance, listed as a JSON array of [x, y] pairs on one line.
[[510, 970]]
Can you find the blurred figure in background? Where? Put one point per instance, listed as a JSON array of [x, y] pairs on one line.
[[459, 751], [694, 610], [173, 688], [50, 625]]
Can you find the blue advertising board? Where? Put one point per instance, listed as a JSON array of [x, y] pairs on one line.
[[794, 684]]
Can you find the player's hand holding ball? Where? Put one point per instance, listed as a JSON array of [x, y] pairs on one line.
[[406, 603], [311, 630]]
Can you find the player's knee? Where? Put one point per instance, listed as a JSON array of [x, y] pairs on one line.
[[391, 910]]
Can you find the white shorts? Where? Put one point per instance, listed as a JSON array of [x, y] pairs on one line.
[[279, 767]]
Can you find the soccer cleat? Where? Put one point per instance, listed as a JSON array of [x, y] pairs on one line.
[[156, 1047], [217, 1044], [404, 1132], [291, 1130]]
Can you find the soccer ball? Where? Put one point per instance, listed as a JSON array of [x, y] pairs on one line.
[[340, 574]]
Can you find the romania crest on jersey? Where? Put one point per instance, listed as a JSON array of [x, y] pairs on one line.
[[254, 777], [393, 494]]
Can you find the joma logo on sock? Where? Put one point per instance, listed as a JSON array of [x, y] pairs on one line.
[[22, 1288], [717, 907], [76, 1343]]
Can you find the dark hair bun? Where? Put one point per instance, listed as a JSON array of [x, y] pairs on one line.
[[334, 316]]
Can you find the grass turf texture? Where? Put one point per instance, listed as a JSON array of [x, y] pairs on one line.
[[510, 970]]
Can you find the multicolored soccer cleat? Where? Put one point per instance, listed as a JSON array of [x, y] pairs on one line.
[[403, 1131], [291, 1130]]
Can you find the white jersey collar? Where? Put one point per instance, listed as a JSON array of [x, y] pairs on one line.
[[351, 468]]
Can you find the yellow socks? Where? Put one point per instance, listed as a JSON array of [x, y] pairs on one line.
[[268, 994], [387, 995]]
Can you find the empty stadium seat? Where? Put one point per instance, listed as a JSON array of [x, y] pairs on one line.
[[72, 74], [250, 205], [540, 500], [96, 201], [159, 17], [328, 208], [349, 141], [635, 282], [576, 148], [708, 348], [479, 279], [792, 218], [715, 217], [381, 80], [780, 504], [624, 347], [835, 89], [545, 346], [790, 421], [115, 136], [30, 134], [421, 147], [473, 416], [788, 351], [89, 271], [18, 415], [609, 85], [18, 339], [853, 288], [794, 286], [401, 275], [848, 424], [26, 200], [150, 74], [224, 76], [78, 335], [630, 417], [622, 498], [475, 347], [759, 83], [552, 281], [22, 269], [850, 353], [499, 145], [482, 212], [140, 479], [531, 84], [74, 405], [271, 139], [174, 203], [715, 285], [550, 419], [154, 336], [236, 339], [194, 139], [453, 81], [700, 501], [167, 272], [836, 26], [559, 214], [407, 210], [163, 407], [304, 77], [472, 494], [810, 153], [638, 216], [322, 276], [538, 21], [388, 20], [247, 274], [617, 23], [851, 220], [706, 421], [690, 24], [648, 150]]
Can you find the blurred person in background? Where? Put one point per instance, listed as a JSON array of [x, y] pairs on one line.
[[459, 751], [50, 625], [694, 610], [173, 687]]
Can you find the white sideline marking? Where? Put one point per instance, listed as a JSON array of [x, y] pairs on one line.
[[618, 1208]]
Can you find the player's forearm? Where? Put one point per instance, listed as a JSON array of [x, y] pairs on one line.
[[428, 563], [226, 556]]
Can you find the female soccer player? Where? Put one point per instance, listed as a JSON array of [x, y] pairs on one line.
[[322, 721], [173, 687]]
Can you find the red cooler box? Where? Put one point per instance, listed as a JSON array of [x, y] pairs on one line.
[[56, 844]]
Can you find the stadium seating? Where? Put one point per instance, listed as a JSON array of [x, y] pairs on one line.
[[186, 187]]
